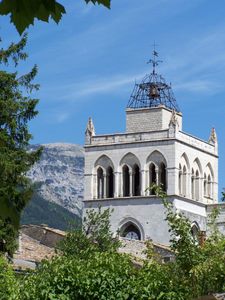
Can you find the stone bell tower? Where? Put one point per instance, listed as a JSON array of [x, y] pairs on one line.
[[119, 168]]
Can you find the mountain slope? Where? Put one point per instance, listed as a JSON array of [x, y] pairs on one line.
[[59, 174], [40, 211]]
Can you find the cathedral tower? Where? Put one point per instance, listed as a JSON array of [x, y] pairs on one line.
[[119, 168]]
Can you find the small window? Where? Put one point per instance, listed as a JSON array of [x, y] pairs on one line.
[[136, 181], [152, 176], [126, 181], [100, 183], [110, 183]]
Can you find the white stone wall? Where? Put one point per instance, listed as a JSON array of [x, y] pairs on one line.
[[148, 214], [190, 155], [148, 138], [116, 153], [149, 119], [173, 150]]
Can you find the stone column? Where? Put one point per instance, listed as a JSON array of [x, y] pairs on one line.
[[121, 184], [147, 183], [157, 175], [104, 188], [143, 185], [116, 184], [94, 186], [172, 181]]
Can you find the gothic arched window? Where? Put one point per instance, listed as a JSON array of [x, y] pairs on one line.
[[162, 176], [192, 184], [180, 180], [152, 176], [126, 181], [100, 183], [184, 184], [136, 180], [209, 187], [197, 188], [205, 185], [195, 231], [130, 231], [109, 183]]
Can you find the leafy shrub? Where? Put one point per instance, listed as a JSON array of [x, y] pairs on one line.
[[8, 284]]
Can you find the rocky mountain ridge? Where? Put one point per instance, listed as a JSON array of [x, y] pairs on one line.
[[59, 175]]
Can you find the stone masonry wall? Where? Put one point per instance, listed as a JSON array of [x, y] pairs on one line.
[[158, 118]]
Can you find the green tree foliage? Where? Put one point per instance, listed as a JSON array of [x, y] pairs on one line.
[[86, 270], [24, 12], [8, 284], [199, 268], [17, 108], [94, 236]]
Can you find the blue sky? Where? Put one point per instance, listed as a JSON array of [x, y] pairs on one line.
[[88, 65]]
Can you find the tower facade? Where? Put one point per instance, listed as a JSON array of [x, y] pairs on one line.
[[119, 168]]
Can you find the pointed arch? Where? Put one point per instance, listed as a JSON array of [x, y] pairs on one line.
[[104, 170], [104, 161], [157, 169], [209, 167], [185, 161], [198, 177], [197, 165], [130, 159], [195, 230], [130, 228], [131, 175], [209, 189], [156, 157]]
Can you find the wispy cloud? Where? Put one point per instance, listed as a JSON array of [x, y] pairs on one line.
[[199, 86], [77, 91]]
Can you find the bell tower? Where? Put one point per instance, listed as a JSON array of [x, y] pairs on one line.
[[119, 168]]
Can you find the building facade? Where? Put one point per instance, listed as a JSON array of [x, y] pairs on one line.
[[120, 168]]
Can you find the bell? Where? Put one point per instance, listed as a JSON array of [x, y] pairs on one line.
[[153, 92]]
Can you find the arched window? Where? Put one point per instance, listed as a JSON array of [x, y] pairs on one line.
[[100, 183], [197, 191], [205, 186], [209, 187], [184, 183], [136, 180], [180, 180], [192, 184], [162, 176], [130, 231], [152, 176], [126, 181], [195, 231], [109, 183]]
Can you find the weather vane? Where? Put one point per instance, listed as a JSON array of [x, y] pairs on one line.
[[154, 61]]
